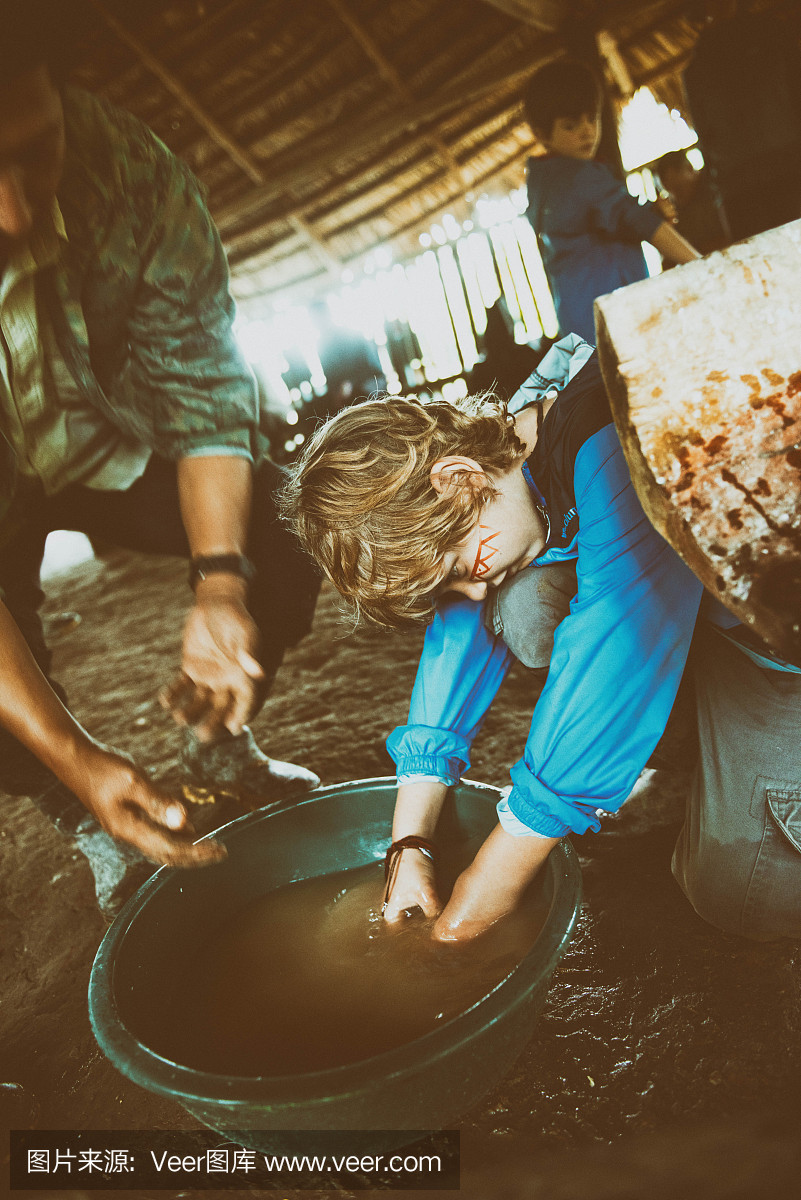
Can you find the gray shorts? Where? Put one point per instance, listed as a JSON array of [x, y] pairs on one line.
[[738, 856]]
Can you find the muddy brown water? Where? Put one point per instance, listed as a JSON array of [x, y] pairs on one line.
[[310, 977]]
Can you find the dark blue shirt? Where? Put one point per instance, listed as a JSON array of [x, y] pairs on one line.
[[590, 231]]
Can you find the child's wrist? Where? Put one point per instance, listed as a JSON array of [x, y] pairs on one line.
[[417, 809], [411, 842]]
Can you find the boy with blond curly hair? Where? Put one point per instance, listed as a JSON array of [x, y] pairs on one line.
[[522, 536]]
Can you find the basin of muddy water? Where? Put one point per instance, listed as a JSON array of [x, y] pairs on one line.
[[266, 993]]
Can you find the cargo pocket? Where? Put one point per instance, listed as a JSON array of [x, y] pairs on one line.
[[785, 808], [773, 902]]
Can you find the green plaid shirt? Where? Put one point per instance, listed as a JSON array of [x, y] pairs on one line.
[[138, 302]]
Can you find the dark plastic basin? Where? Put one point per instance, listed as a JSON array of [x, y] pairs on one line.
[[425, 1084]]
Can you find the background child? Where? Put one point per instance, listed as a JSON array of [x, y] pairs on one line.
[[417, 510], [589, 228]]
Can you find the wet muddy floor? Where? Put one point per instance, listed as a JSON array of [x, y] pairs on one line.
[[668, 1059]]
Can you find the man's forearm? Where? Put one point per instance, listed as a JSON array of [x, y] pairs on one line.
[[120, 797], [493, 884], [215, 494], [30, 709], [417, 809], [216, 689], [672, 245]]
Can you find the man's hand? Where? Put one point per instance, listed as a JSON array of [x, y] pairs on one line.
[[133, 810], [217, 687], [492, 885], [666, 208], [122, 799], [414, 887]]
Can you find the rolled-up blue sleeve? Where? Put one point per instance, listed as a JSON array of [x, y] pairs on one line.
[[617, 660], [611, 208], [461, 668]]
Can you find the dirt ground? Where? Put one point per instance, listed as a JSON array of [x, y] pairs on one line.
[[667, 1061]]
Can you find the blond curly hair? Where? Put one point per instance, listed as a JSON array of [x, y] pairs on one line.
[[361, 500]]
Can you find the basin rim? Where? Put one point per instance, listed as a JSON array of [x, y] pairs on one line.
[[145, 1067]]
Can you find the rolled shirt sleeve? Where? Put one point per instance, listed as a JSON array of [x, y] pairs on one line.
[[218, 451], [509, 822], [461, 668], [184, 362]]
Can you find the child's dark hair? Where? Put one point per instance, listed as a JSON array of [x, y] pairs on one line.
[[565, 88], [38, 33]]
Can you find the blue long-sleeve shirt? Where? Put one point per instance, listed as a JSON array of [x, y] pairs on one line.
[[590, 231], [616, 665]]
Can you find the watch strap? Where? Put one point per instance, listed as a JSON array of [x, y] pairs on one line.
[[204, 565]]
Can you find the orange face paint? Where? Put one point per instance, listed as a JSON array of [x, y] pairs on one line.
[[486, 552]]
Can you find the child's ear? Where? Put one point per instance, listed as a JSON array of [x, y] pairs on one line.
[[456, 469]]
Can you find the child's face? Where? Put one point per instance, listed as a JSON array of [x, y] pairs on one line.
[[508, 537], [575, 137]]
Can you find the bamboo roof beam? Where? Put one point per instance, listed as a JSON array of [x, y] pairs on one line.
[[542, 14], [670, 13], [181, 43], [317, 154], [381, 173], [238, 154], [672, 67], [610, 52], [290, 108], [389, 72]]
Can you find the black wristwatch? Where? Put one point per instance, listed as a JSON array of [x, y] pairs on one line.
[[219, 564]]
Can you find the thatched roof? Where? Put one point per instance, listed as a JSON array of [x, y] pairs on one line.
[[325, 128]]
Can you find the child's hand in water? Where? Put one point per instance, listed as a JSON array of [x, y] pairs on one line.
[[414, 887], [492, 885]]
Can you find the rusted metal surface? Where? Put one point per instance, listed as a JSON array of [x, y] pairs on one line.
[[703, 368]]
